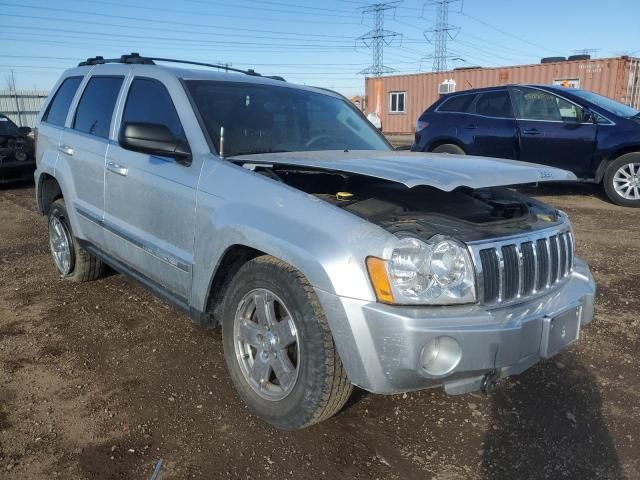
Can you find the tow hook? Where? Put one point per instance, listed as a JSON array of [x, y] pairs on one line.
[[489, 381]]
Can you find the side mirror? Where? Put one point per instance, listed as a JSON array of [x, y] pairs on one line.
[[154, 139], [24, 130], [588, 116]]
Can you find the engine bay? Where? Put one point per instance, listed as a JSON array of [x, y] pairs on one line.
[[469, 214]]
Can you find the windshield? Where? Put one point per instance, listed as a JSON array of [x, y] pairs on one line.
[[7, 127], [268, 118], [606, 103]]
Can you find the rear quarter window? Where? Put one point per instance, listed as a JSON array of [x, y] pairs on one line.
[[457, 104], [57, 110]]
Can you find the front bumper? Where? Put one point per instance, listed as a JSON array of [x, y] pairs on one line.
[[380, 345], [11, 171]]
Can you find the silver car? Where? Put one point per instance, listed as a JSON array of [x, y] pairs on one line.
[[278, 212]]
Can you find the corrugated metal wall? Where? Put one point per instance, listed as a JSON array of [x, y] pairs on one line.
[[22, 106], [607, 76], [633, 84]]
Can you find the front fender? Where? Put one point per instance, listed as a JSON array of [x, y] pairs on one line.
[[326, 244]]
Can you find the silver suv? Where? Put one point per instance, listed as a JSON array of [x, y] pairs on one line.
[[280, 213]]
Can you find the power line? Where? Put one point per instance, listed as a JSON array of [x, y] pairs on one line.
[[486, 24], [147, 19], [183, 40], [266, 9], [243, 17], [378, 37], [159, 29]]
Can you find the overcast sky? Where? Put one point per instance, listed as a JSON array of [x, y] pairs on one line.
[[305, 41]]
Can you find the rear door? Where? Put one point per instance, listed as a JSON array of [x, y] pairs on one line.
[[84, 146], [551, 131], [492, 125], [53, 120], [151, 200]]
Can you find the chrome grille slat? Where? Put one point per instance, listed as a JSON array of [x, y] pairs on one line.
[[547, 242], [500, 275], [527, 268], [534, 249], [518, 268], [570, 249], [510, 272]]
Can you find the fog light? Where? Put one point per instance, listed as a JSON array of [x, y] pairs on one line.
[[440, 355]]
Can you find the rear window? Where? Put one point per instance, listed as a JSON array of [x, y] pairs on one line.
[[59, 107], [96, 106], [494, 104], [457, 104]]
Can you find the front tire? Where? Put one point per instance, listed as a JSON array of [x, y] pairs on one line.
[[448, 148], [622, 180], [278, 346], [72, 261]]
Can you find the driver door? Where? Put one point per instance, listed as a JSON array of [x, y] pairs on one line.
[[150, 201], [551, 131]]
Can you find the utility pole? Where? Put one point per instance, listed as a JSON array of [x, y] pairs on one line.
[[440, 34], [378, 37], [15, 96]]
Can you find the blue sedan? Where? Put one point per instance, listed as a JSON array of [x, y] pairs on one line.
[[595, 137]]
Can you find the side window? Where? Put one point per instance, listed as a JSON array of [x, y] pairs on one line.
[[494, 104], [457, 104], [59, 107], [149, 102], [538, 105], [95, 110], [397, 102]]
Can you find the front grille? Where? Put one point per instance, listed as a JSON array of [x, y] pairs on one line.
[[515, 269]]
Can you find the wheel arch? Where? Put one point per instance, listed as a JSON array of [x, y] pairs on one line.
[[233, 258], [445, 141], [49, 191], [604, 164]]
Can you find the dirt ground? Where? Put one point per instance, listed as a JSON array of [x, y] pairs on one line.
[[100, 380]]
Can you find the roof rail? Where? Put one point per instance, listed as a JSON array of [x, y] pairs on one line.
[[137, 59]]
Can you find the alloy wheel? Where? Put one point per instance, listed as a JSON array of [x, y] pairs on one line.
[[626, 181], [267, 346], [60, 244]]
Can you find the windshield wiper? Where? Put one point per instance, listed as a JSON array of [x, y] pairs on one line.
[[259, 152]]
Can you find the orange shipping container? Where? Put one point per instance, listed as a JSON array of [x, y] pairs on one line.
[[400, 99]]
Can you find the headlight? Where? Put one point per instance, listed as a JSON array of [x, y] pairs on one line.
[[436, 272]]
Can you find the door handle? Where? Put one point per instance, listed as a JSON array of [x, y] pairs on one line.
[[66, 149], [117, 169], [531, 131]]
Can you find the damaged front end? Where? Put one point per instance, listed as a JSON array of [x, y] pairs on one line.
[[482, 282]]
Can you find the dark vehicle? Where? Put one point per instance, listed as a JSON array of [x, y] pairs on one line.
[[16, 151], [592, 136]]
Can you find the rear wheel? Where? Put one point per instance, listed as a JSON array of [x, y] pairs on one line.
[[448, 148], [278, 346], [622, 180], [72, 261]]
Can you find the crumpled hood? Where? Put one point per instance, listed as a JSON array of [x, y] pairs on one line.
[[443, 171]]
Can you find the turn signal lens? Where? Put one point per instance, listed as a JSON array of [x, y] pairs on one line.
[[379, 279]]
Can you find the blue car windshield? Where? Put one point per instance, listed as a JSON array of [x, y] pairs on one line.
[[260, 118], [606, 103]]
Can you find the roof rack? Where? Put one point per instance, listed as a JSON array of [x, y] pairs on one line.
[[135, 58]]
